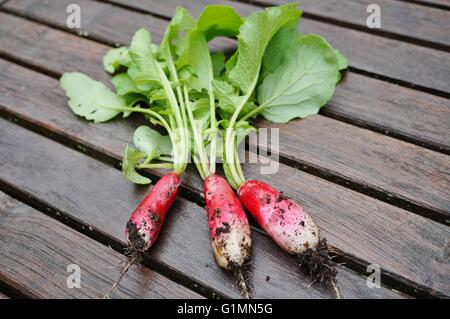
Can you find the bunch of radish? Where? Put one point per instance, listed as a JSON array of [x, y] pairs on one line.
[[196, 97]]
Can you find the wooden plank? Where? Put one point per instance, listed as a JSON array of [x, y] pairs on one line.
[[36, 251], [404, 113], [74, 185], [372, 226], [430, 182], [367, 52], [411, 21]]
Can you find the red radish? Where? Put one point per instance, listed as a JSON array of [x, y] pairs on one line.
[[229, 228], [147, 219], [290, 227]]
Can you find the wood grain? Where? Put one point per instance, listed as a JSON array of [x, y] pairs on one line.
[[36, 251], [74, 185], [411, 21], [371, 227], [404, 113], [431, 177]]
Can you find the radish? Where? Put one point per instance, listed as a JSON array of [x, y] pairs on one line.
[[229, 228], [291, 228], [146, 221]]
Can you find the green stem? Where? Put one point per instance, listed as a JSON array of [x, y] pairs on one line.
[[238, 167], [213, 136], [156, 165], [230, 138], [254, 111], [165, 159], [180, 164], [158, 117], [199, 167], [197, 138]]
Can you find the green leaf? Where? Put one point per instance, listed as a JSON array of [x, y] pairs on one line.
[[218, 20], [218, 63], [130, 160], [124, 84], [88, 98], [279, 48], [303, 83], [145, 69], [151, 143], [214, 21], [173, 41], [342, 60], [115, 58], [254, 36], [200, 111], [226, 95]]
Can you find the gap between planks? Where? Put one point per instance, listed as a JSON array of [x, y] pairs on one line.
[[431, 4]]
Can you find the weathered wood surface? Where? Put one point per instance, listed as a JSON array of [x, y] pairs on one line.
[[370, 226], [367, 238], [393, 157], [411, 115], [411, 21], [74, 185], [36, 251]]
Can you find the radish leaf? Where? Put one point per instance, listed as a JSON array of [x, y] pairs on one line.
[[130, 160], [115, 58], [254, 36], [89, 98], [303, 82], [151, 143]]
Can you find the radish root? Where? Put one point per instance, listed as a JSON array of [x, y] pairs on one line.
[[134, 257], [319, 265], [243, 280]]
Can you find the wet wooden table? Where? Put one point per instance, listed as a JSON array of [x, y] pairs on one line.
[[373, 168]]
